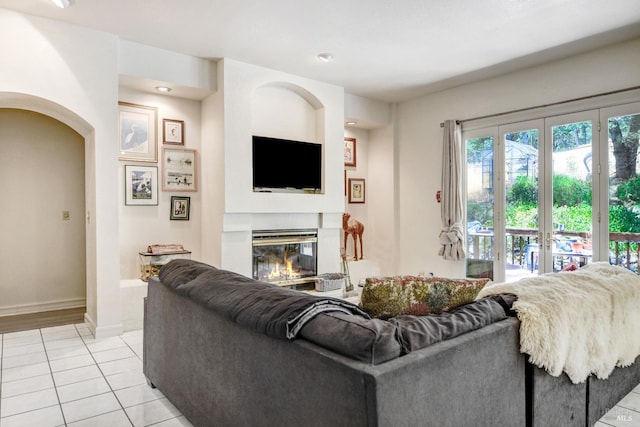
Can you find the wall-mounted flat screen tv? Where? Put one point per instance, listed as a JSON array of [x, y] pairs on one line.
[[286, 165]]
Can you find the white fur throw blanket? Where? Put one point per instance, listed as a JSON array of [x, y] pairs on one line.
[[581, 322]]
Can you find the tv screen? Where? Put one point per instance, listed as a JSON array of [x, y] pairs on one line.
[[285, 164]]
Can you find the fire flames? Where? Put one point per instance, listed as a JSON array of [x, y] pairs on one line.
[[286, 272]]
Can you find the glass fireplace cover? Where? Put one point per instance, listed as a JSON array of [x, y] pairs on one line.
[[285, 257]]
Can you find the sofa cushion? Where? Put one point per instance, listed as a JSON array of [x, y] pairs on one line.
[[369, 340], [417, 332], [386, 297], [180, 271], [262, 307]]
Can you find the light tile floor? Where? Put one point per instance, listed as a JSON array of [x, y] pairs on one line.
[[625, 414], [62, 376]]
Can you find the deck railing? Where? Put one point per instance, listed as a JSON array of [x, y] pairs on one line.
[[624, 248]]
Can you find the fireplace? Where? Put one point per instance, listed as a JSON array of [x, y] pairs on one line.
[[286, 257]]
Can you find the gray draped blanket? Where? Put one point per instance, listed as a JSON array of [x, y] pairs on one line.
[[262, 307]]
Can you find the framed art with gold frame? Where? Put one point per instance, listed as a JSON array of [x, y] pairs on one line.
[[179, 172], [137, 132], [350, 152], [172, 132]]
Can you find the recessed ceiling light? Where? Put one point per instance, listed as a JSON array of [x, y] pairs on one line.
[[325, 57], [62, 3], [163, 89], [351, 123]]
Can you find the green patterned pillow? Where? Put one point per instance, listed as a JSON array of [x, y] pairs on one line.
[[385, 297]]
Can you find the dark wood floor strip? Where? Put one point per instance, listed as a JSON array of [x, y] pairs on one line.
[[24, 322]]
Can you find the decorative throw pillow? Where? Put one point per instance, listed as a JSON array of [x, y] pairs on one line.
[[385, 297]]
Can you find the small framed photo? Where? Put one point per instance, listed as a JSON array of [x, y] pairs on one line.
[[141, 185], [356, 190], [179, 169], [137, 132], [172, 132], [349, 151], [180, 207]]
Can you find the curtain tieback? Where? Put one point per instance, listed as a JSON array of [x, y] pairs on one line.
[[453, 234]]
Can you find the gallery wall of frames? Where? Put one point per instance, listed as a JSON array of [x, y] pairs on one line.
[[147, 172]]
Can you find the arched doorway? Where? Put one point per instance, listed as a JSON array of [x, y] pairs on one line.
[[48, 116]]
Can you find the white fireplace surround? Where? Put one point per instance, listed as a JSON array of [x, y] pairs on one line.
[[237, 239], [280, 106]]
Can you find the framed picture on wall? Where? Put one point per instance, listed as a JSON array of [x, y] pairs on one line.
[[345, 182], [137, 132], [173, 132], [180, 207], [179, 169], [141, 185], [356, 190], [349, 151]]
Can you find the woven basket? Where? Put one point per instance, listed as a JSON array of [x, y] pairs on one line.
[[329, 282]]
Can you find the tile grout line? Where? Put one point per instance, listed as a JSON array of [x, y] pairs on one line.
[[104, 376], [1, 383], [53, 380], [113, 391], [55, 386], [628, 409]]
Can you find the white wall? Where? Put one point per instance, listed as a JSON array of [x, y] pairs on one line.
[[141, 226], [70, 74], [359, 211], [383, 216], [212, 174], [279, 112], [240, 84], [186, 75], [253, 99], [420, 136], [42, 175]]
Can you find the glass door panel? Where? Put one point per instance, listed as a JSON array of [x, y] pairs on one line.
[[623, 183], [480, 205], [522, 145], [568, 231]]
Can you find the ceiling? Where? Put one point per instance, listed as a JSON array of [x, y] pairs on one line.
[[389, 50]]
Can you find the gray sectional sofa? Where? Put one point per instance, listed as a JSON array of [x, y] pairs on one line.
[[227, 350], [556, 401]]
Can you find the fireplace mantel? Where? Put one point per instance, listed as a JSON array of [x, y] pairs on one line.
[[237, 237]]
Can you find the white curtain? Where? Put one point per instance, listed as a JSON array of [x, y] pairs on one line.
[[452, 234]]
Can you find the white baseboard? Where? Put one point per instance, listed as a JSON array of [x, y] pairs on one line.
[[91, 323], [102, 331], [41, 307], [107, 331]]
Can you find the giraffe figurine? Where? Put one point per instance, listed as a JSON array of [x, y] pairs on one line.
[[353, 227]]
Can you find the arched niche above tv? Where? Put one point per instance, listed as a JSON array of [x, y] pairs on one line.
[[286, 111]]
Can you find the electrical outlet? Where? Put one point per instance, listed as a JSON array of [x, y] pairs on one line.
[[66, 216]]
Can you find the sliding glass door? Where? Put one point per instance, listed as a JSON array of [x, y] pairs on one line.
[[620, 178], [481, 157], [570, 200], [523, 145], [502, 200], [554, 193], [530, 196]]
